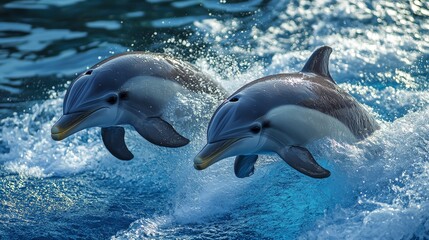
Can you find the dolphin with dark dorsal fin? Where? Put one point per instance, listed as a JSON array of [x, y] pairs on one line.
[[130, 89], [282, 114]]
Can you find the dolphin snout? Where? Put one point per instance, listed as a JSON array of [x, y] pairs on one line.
[[211, 153], [66, 125], [69, 124], [199, 163], [56, 133]]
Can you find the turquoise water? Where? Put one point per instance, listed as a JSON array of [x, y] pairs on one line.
[[74, 189]]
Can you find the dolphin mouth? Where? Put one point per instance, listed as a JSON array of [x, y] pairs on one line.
[[68, 124], [211, 153]]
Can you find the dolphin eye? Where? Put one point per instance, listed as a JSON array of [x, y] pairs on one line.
[[88, 72], [234, 99], [112, 99], [255, 129]]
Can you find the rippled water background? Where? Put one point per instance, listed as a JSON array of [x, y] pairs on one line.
[[379, 188]]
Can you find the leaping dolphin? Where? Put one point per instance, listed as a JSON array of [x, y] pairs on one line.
[[131, 88], [282, 114]]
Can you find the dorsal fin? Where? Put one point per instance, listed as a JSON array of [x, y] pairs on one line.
[[318, 63]]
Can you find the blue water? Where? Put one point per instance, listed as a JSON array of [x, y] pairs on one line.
[[379, 188]]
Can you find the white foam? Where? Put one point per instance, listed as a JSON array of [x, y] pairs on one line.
[[389, 174], [33, 153]]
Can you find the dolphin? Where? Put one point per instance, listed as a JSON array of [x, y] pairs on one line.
[[282, 114], [130, 89]]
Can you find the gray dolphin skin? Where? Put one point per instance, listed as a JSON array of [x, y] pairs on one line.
[[282, 114], [130, 89]]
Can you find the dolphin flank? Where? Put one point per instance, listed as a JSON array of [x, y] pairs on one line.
[[282, 114], [130, 89]]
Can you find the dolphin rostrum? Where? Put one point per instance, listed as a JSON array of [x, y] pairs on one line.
[[282, 114], [130, 89]]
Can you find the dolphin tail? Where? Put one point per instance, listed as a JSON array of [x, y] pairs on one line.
[[113, 139], [244, 165], [160, 132], [318, 63], [302, 160]]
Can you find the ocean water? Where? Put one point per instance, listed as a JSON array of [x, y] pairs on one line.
[[74, 189]]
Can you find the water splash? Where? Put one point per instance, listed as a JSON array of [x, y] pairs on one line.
[[32, 152], [389, 176]]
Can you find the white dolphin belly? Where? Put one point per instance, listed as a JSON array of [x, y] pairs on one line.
[[152, 90], [296, 125]]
